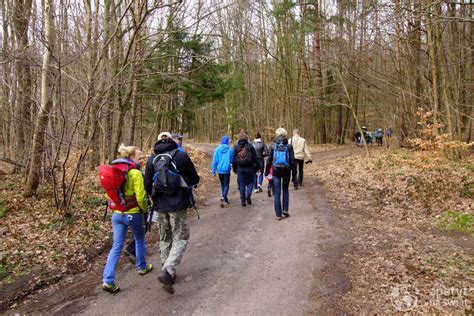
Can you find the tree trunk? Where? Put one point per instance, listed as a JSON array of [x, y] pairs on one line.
[[46, 104]]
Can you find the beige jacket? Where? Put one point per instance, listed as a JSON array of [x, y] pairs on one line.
[[299, 147]]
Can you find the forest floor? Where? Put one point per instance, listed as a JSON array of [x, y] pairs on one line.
[[359, 240]]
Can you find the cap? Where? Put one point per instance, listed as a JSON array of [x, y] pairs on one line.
[[164, 135]]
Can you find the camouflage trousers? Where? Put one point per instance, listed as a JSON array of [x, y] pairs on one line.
[[174, 235]]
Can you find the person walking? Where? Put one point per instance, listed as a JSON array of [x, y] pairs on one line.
[[168, 175], [245, 165], [301, 151], [222, 164], [282, 160], [262, 152], [131, 217]]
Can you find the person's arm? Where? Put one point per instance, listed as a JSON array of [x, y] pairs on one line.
[[149, 173], [136, 177], [265, 151], [306, 151], [256, 162], [292, 157], [234, 159], [269, 161], [214, 163], [187, 169]]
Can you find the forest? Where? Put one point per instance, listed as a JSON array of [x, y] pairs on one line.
[[80, 77]]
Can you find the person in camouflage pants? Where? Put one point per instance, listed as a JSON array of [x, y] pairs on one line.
[[171, 207], [174, 236]]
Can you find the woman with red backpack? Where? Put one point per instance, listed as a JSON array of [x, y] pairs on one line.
[[127, 216]]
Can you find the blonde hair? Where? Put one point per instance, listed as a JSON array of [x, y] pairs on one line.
[[281, 132], [127, 151]]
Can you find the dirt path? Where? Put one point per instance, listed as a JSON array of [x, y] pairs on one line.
[[243, 261]]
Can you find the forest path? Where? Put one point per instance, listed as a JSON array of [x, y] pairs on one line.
[[242, 261]]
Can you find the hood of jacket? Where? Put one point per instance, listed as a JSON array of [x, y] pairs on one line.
[[223, 148], [281, 139], [164, 146]]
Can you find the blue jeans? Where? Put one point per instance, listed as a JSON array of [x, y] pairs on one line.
[[258, 180], [120, 224], [245, 180], [280, 183], [225, 183]]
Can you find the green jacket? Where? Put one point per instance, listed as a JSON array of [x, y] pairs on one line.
[[135, 186]]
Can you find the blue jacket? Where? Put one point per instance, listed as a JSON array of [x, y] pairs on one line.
[[222, 160]]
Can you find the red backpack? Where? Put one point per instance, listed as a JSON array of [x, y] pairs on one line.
[[112, 179]]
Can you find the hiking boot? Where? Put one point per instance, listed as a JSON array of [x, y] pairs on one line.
[[167, 280], [295, 186], [222, 203], [111, 288], [285, 214], [130, 256], [249, 200], [149, 268]]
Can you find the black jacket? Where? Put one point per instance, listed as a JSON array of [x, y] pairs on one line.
[[280, 172], [254, 164], [185, 166]]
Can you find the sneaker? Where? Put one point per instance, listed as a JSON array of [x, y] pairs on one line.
[[167, 280], [255, 191], [111, 288], [226, 203], [278, 218], [249, 200], [149, 268], [222, 202], [285, 214]]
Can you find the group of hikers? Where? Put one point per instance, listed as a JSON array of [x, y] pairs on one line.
[[252, 161], [165, 189], [368, 136]]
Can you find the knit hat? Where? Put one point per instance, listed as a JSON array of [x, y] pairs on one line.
[[163, 135]]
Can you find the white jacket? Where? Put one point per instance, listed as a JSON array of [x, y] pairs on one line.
[[299, 147]]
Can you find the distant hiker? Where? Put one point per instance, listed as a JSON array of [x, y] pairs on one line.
[[270, 182], [169, 174], [301, 151], [262, 152], [245, 164], [128, 214], [222, 164], [282, 160], [179, 141], [379, 136]]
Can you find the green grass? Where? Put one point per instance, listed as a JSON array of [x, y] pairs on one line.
[[457, 221]]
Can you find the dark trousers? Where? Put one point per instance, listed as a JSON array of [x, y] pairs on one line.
[[225, 182], [281, 184], [297, 172], [245, 178]]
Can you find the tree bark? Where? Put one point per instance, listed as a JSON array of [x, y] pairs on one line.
[[46, 104]]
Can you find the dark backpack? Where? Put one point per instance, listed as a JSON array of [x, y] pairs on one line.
[[244, 156], [166, 179], [112, 180], [281, 156]]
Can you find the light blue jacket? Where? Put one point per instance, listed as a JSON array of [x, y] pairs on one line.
[[222, 160]]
